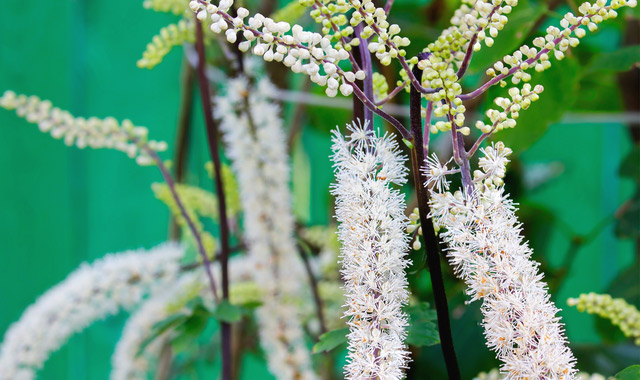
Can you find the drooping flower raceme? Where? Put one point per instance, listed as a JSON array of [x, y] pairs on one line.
[[374, 245], [92, 132], [135, 354], [256, 146], [620, 312], [487, 251], [131, 360], [92, 292]]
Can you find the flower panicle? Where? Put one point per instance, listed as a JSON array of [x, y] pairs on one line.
[[256, 144], [92, 132], [92, 292], [487, 251], [374, 246]]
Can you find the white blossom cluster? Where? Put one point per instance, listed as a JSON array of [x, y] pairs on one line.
[[129, 360], [255, 140], [511, 107], [133, 361], [487, 251], [304, 52], [374, 246], [92, 132], [90, 293], [494, 374], [557, 40]]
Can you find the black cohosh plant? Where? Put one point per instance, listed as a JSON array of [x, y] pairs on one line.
[[477, 222]]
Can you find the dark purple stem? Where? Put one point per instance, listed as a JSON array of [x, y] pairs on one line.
[[387, 6], [394, 122], [212, 135], [432, 247], [183, 211], [392, 93], [480, 90], [365, 57], [467, 57], [427, 129]]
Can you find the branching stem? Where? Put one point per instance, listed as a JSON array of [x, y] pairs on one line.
[[212, 138], [431, 241]]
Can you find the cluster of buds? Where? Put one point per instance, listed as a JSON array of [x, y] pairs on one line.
[[302, 51], [519, 100], [389, 44], [161, 44], [333, 19], [380, 86], [437, 73], [415, 228], [621, 313], [476, 21], [493, 164], [557, 40], [92, 132], [176, 7]]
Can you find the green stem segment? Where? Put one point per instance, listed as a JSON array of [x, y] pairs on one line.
[[432, 247]]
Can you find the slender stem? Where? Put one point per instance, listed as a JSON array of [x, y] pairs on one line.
[[187, 218], [427, 129], [387, 6], [394, 122], [431, 241], [480, 90], [183, 131], [365, 57], [467, 57], [212, 136], [303, 250], [358, 105], [465, 168], [393, 93], [318, 6]]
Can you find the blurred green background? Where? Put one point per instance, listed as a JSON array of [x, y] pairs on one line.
[[62, 206]]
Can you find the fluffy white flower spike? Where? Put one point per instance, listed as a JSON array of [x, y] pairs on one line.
[[256, 145], [487, 251], [90, 293], [374, 245]]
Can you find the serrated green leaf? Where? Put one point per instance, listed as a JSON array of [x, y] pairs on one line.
[[330, 340], [560, 83], [616, 61], [227, 312], [422, 329], [629, 373]]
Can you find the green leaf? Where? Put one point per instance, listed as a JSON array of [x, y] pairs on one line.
[[330, 340], [161, 327], [560, 83], [616, 61], [510, 38], [422, 329], [629, 373], [189, 331], [227, 312]]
